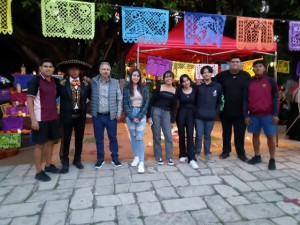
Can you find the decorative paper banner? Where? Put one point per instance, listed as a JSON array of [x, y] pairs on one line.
[[199, 67], [247, 66], [5, 17], [283, 66], [69, 19], [145, 25], [203, 29], [157, 66], [298, 69], [224, 66], [180, 68], [294, 36], [254, 33]]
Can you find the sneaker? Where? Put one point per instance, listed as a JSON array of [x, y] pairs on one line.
[[116, 163], [141, 168], [224, 155], [193, 164], [160, 161], [136, 161], [182, 159], [272, 165], [52, 169], [42, 176], [256, 159], [170, 162], [208, 158], [243, 158], [99, 163]]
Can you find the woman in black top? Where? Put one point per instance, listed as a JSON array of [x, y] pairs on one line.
[[185, 120], [161, 113]]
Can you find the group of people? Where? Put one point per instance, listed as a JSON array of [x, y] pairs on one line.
[[237, 99]]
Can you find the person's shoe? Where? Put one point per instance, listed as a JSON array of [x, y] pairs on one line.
[[116, 163], [193, 164], [272, 165], [224, 155], [42, 176], [136, 161], [243, 158], [208, 158], [170, 162], [256, 159], [78, 165], [99, 163], [52, 169], [64, 169], [141, 168], [160, 161], [182, 159]]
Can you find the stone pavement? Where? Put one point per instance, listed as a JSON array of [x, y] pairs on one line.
[[225, 192]]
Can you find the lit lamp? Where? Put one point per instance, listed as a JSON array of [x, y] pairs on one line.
[[34, 72], [271, 64]]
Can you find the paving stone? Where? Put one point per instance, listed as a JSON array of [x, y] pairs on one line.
[[131, 221], [273, 184], [242, 174], [108, 200], [236, 183], [205, 180], [292, 165], [17, 181], [23, 209], [286, 220], [194, 191], [161, 183], [1, 198], [238, 200], [277, 173], [5, 221], [247, 167], [83, 216], [85, 182], [262, 175], [125, 212], [140, 187], [32, 220], [6, 190], [82, 199], [148, 177], [42, 196], [221, 208], [86, 174], [220, 171], [166, 193], [270, 196], [205, 217], [104, 190], [66, 184], [206, 172], [122, 176], [259, 211], [50, 185], [151, 208], [295, 185], [122, 188], [253, 197], [72, 175], [177, 179], [148, 196], [6, 168], [106, 223], [289, 207], [289, 193], [293, 173], [225, 163], [58, 218], [166, 168], [104, 181], [170, 219], [104, 214], [225, 190], [183, 204], [104, 173], [257, 186], [187, 170], [19, 194], [253, 222], [18, 171], [3, 175], [126, 198], [287, 180], [56, 206]]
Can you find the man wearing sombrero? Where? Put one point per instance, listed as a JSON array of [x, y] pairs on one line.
[[74, 93]]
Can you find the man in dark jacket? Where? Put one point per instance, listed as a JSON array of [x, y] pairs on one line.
[[261, 111], [73, 98]]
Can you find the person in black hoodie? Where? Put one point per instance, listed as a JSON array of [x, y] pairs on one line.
[[208, 105]]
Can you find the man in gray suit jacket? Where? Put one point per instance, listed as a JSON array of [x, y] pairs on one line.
[[106, 109]]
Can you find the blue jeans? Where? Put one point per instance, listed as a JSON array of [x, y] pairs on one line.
[[101, 122], [203, 128], [137, 133]]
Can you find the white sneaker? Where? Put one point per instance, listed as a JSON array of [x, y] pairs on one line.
[[136, 161], [171, 163], [182, 159], [141, 168], [193, 164], [208, 158]]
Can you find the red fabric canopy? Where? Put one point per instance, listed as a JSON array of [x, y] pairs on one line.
[[176, 50]]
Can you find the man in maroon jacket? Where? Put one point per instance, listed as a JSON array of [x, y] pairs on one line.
[[261, 111]]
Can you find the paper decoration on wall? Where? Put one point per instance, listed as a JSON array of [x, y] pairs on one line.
[[254, 33], [5, 17], [68, 19], [248, 66], [224, 66], [199, 67], [180, 68], [283, 66], [157, 66], [145, 25], [203, 29], [294, 36], [298, 69]]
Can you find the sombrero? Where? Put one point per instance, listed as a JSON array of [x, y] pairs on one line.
[[73, 63]]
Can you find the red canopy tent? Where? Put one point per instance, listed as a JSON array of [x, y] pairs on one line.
[[176, 50]]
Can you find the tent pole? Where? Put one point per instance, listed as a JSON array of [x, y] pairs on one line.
[[138, 58]]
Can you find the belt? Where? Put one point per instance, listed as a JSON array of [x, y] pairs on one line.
[[103, 114]]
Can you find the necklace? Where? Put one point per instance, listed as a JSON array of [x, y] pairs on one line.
[[185, 92]]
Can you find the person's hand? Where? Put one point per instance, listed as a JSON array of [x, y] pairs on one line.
[[150, 121], [118, 116], [247, 121], [136, 120], [35, 125], [275, 119]]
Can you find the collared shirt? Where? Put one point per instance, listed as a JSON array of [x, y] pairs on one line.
[[77, 79], [103, 96]]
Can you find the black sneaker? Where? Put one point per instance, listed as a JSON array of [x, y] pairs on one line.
[[272, 165], [170, 162], [116, 163], [243, 158], [42, 176], [224, 155], [160, 161], [99, 163], [256, 159], [51, 169]]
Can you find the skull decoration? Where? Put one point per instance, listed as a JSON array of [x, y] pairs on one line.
[[84, 11], [52, 7]]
